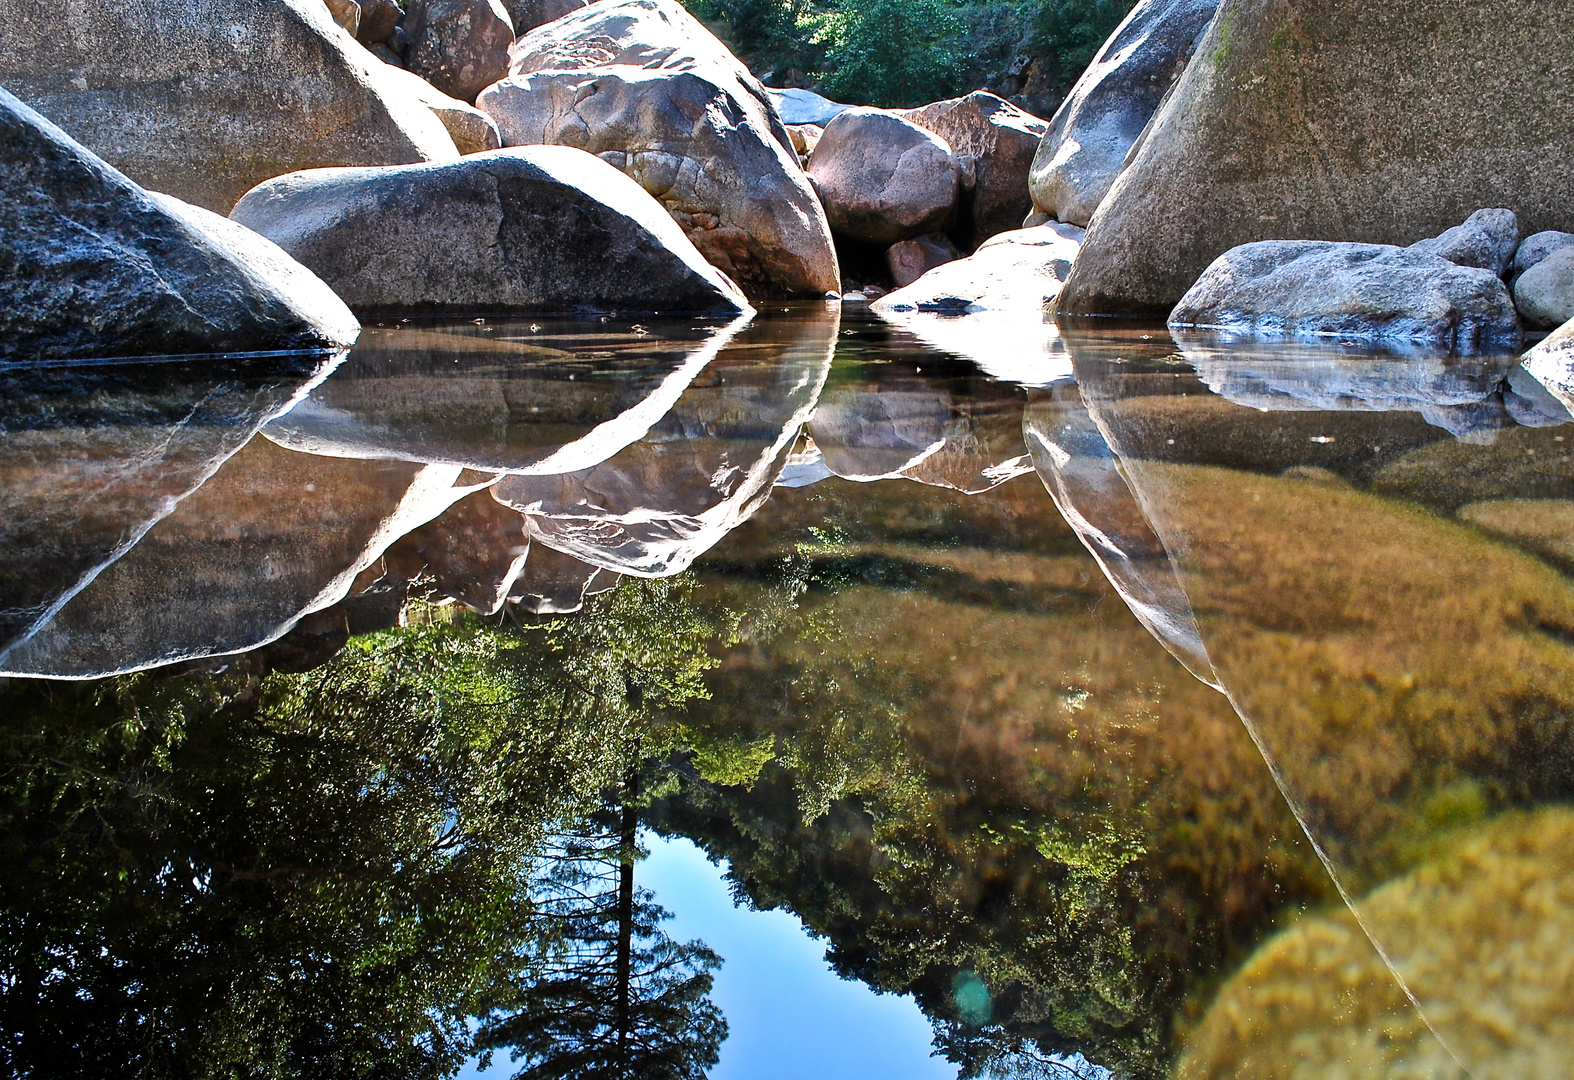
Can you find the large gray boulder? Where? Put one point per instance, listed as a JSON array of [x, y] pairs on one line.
[[883, 178], [1337, 120], [1310, 288], [1104, 115], [530, 229], [203, 105], [1488, 239], [459, 46], [641, 84], [1544, 293], [1001, 140], [93, 266]]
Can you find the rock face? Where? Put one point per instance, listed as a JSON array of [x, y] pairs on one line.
[[378, 19], [526, 15], [537, 229], [1337, 120], [1487, 239], [805, 107], [1001, 139], [644, 86], [1017, 270], [1544, 293], [93, 266], [459, 46], [1309, 288], [1101, 119], [204, 108], [910, 260], [883, 178], [471, 129]]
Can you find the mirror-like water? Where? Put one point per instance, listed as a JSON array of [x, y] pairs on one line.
[[1178, 708]]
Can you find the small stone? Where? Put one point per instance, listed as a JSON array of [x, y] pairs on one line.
[[910, 260], [1535, 248], [1544, 294]]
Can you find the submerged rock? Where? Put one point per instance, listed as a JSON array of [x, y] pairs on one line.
[[97, 267], [1093, 131], [459, 46], [883, 178], [1481, 935], [643, 85], [1544, 293], [1342, 121], [1487, 240], [1308, 288], [204, 107], [530, 229], [1001, 139]]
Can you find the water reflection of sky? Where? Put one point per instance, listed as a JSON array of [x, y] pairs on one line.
[[788, 1015]]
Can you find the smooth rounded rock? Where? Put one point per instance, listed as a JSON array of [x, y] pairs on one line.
[[1021, 270], [529, 229], [805, 107], [1487, 239], [1001, 139], [1533, 249], [204, 107], [96, 267], [1308, 288], [471, 129], [910, 260], [459, 46], [884, 179], [1101, 119], [1544, 294], [643, 85], [1338, 120]]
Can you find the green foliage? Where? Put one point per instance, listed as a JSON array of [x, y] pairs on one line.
[[326, 874], [903, 53]]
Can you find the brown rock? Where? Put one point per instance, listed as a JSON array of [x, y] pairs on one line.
[[347, 13], [378, 19], [529, 14], [1001, 139], [459, 46], [883, 178], [1337, 120], [910, 260]]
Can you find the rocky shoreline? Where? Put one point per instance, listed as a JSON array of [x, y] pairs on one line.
[[471, 157]]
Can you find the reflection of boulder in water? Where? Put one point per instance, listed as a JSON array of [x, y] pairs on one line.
[[473, 552], [91, 458], [1551, 365], [1484, 937], [962, 433], [500, 397], [1083, 477], [271, 537], [1458, 394], [1543, 401], [656, 505], [556, 584]]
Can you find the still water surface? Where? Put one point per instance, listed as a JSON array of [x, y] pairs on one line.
[[1201, 708]]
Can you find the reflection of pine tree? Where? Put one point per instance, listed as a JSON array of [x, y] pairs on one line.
[[609, 996]]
